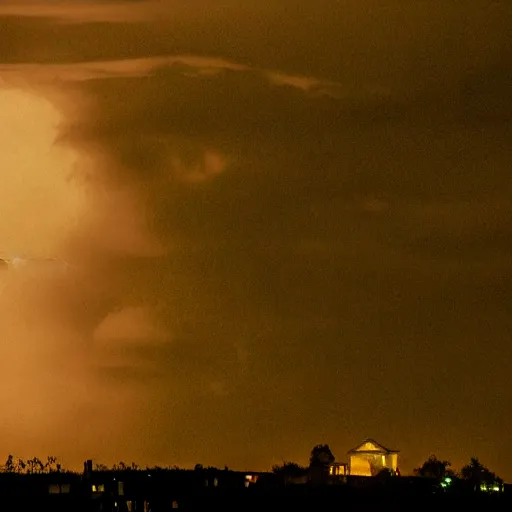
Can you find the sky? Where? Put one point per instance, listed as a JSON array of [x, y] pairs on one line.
[[285, 223]]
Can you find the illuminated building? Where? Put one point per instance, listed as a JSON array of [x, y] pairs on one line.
[[369, 458], [338, 469]]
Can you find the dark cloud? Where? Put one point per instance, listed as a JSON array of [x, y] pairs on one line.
[[328, 216]]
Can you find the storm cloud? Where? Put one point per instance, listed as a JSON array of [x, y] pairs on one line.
[[290, 226]]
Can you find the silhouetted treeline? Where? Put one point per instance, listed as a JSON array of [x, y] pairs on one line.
[[34, 465], [474, 475]]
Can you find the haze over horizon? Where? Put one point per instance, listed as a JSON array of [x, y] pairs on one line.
[[286, 223]]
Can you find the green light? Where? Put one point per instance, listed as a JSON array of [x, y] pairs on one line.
[[448, 480]]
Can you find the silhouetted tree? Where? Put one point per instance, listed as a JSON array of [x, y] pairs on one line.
[[35, 465], [288, 471], [51, 465], [320, 460], [31, 466], [479, 476], [321, 456], [9, 466], [100, 467], [20, 466], [434, 468], [291, 469]]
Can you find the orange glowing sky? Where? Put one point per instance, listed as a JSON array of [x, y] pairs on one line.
[[283, 227], [40, 201]]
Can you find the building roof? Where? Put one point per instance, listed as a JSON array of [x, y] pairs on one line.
[[371, 446]]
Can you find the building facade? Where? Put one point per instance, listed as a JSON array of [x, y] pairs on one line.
[[369, 458]]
